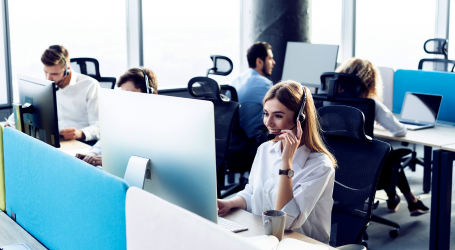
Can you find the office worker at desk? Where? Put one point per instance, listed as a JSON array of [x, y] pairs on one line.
[[369, 74], [135, 80], [251, 88], [293, 172], [77, 97]]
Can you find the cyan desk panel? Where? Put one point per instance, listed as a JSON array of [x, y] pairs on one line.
[[429, 82], [60, 200]]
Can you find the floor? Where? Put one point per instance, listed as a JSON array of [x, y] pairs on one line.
[[415, 231]]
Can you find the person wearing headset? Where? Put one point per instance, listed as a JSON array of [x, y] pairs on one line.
[[294, 172], [77, 97], [136, 80], [369, 74]]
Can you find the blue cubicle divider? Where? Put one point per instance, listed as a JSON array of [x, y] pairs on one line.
[[60, 200], [429, 82]]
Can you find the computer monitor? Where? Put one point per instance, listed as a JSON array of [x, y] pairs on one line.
[[176, 134], [36, 114], [305, 62]]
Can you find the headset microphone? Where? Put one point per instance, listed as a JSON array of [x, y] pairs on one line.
[[300, 117]]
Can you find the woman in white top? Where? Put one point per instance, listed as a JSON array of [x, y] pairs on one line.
[[369, 74], [307, 196]]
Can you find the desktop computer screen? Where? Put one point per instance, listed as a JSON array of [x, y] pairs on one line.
[[36, 114], [305, 62], [176, 134]]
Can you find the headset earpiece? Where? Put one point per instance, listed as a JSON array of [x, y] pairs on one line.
[[149, 89], [67, 71], [301, 115]]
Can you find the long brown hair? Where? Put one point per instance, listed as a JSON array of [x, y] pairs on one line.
[[290, 94], [368, 73]]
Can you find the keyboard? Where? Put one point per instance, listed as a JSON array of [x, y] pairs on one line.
[[231, 226]]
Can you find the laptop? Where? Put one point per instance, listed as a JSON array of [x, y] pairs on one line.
[[420, 110]]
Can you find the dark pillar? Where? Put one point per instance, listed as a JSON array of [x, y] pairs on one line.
[[277, 22]]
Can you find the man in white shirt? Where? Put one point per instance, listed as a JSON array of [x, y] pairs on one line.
[[77, 97]]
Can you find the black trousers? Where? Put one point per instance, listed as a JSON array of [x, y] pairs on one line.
[[385, 180]]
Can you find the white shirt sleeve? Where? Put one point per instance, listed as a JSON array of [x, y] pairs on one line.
[[92, 132], [96, 148], [307, 193], [11, 120], [385, 117]]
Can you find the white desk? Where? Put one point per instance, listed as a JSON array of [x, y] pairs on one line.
[[440, 181], [255, 227]]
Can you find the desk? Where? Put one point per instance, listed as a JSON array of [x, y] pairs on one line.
[[11, 233], [72, 147], [442, 137], [255, 228]]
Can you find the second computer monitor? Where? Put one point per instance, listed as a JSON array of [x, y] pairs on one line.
[[305, 62], [176, 134]]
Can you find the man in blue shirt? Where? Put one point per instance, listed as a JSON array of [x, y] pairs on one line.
[[252, 86]]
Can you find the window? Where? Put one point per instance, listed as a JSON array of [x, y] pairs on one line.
[[180, 36], [86, 28], [392, 33], [326, 22]]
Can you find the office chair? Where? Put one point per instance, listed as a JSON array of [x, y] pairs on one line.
[[360, 159], [222, 66], [345, 89], [226, 121], [437, 46], [91, 67]]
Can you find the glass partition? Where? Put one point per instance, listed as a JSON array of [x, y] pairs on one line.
[[86, 28], [180, 36]]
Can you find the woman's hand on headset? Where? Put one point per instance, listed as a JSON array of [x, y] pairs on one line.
[[290, 142]]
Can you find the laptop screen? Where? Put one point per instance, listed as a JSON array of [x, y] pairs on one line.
[[421, 108]]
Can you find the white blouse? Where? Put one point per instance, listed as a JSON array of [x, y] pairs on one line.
[[385, 117], [309, 212]]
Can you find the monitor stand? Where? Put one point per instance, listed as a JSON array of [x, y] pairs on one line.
[[19, 112], [138, 169]]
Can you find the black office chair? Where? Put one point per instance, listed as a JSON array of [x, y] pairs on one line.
[[91, 67], [222, 66], [360, 159], [345, 89], [437, 46], [226, 120]]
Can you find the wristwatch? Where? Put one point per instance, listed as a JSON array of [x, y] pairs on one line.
[[289, 172]]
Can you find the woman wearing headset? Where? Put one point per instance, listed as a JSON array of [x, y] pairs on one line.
[[369, 74], [135, 80], [293, 172]]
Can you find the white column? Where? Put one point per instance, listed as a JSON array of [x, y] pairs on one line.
[[6, 108], [442, 19], [348, 18], [135, 47]]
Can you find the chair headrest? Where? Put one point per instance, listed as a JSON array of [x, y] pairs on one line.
[[222, 65], [343, 121], [206, 87], [436, 46], [340, 84]]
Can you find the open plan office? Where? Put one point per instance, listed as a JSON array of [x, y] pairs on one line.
[[245, 124]]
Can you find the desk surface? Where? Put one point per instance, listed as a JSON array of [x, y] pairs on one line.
[[11, 233], [433, 137], [450, 147], [255, 228]]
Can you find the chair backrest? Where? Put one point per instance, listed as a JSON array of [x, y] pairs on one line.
[[345, 89], [153, 223], [222, 66], [60, 200], [360, 160], [226, 112], [226, 90], [436, 46], [91, 67]]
